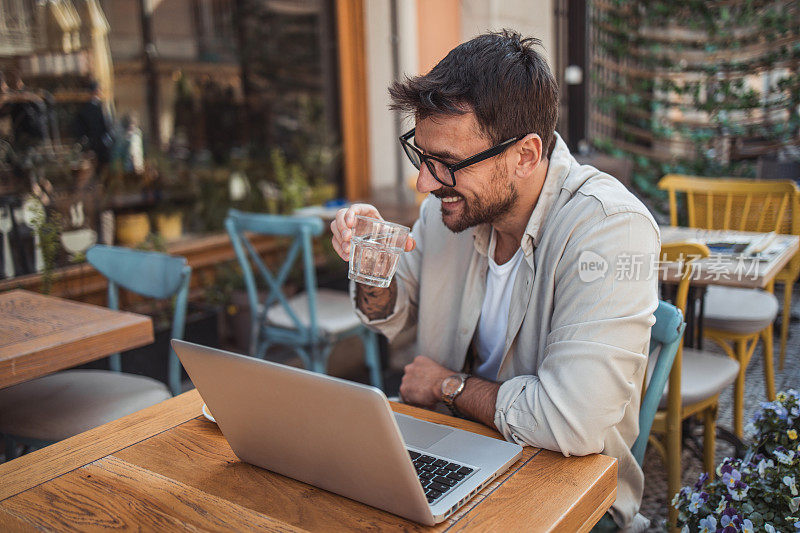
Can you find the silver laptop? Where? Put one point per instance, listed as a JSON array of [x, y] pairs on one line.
[[342, 436]]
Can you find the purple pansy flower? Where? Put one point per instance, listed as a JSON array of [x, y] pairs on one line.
[[790, 482], [730, 478], [701, 481], [738, 491], [708, 524], [696, 501]]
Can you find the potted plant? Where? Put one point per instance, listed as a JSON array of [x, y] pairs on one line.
[[48, 231], [132, 228], [291, 180], [758, 493], [169, 224]]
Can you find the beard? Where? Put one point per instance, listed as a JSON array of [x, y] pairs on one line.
[[496, 201]]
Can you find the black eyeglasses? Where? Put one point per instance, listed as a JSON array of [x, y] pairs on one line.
[[444, 172]]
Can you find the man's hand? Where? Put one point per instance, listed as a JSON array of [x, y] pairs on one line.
[[342, 228], [422, 385], [422, 381], [374, 302]]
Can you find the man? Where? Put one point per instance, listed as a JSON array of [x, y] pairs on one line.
[[92, 128], [28, 114], [523, 321]]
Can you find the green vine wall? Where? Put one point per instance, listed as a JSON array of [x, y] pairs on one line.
[[694, 87]]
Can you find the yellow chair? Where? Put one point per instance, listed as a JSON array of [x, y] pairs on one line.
[[742, 205], [695, 382]]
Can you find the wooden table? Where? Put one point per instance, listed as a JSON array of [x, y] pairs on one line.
[[719, 269], [722, 269], [42, 334], [167, 468]]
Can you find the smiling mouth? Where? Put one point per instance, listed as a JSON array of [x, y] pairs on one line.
[[450, 199]]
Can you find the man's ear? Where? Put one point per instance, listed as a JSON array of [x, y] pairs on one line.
[[529, 154]]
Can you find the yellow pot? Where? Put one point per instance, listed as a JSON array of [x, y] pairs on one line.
[[132, 229], [170, 227]]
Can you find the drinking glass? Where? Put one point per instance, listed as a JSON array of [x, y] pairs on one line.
[[374, 250]]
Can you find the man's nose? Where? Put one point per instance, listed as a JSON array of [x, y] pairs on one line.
[[425, 181]]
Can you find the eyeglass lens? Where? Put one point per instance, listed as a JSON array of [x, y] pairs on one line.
[[440, 172]]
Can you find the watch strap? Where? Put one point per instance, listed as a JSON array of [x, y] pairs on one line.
[[450, 399]]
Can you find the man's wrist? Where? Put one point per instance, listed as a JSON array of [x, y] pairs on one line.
[[451, 388], [376, 302], [436, 389]]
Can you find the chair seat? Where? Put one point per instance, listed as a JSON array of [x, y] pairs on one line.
[[735, 310], [67, 403], [703, 375], [335, 312]]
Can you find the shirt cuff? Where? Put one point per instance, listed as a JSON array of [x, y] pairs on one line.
[[510, 419]]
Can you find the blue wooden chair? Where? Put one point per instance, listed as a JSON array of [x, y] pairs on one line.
[[151, 274], [45, 410], [665, 339], [311, 322]]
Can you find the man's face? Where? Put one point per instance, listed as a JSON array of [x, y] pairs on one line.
[[484, 192]]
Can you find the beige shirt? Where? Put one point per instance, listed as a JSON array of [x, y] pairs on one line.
[[577, 338]]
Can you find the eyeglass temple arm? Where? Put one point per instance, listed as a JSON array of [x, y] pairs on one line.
[[486, 154]]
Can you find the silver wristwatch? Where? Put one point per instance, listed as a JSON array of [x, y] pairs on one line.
[[452, 387]]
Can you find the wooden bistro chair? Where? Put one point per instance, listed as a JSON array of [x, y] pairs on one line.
[[737, 318], [695, 381], [48, 409], [665, 339], [311, 322]]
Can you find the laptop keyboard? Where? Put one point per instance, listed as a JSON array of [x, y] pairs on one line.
[[438, 476]]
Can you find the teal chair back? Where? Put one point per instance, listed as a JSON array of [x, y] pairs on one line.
[[301, 230], [314, 319], [666, 334], [150, 274]]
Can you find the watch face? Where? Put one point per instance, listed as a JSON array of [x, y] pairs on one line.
[[450, 385]]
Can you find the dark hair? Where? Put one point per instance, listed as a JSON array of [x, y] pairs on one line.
[[13, 78], [499, 77]]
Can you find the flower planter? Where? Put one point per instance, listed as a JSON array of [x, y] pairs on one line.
[[132, 229], [170, 226]]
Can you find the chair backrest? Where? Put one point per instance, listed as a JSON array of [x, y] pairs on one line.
[[683, 253], [665, 339], [736, 204], [301, 230], [150, 274]]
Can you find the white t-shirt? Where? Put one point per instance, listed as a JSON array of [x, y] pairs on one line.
[[493, 323]]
